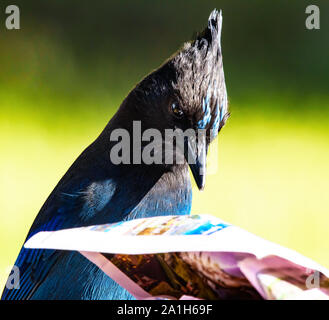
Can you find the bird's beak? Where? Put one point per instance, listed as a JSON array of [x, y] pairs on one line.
[[195, 155]]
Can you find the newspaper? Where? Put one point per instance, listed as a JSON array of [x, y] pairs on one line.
[[192, 257]]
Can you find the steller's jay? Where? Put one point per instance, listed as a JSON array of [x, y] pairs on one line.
[[187, 92]]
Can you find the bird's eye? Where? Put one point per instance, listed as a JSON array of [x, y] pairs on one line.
[[177, 111]]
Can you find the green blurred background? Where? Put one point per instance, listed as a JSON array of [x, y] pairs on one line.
[[64, 74]]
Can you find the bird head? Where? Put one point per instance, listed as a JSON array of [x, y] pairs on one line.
[[188, 92]]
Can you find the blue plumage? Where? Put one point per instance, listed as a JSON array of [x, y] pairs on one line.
[[50, 274]]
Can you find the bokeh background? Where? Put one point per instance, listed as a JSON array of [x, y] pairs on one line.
[[65, 73]]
